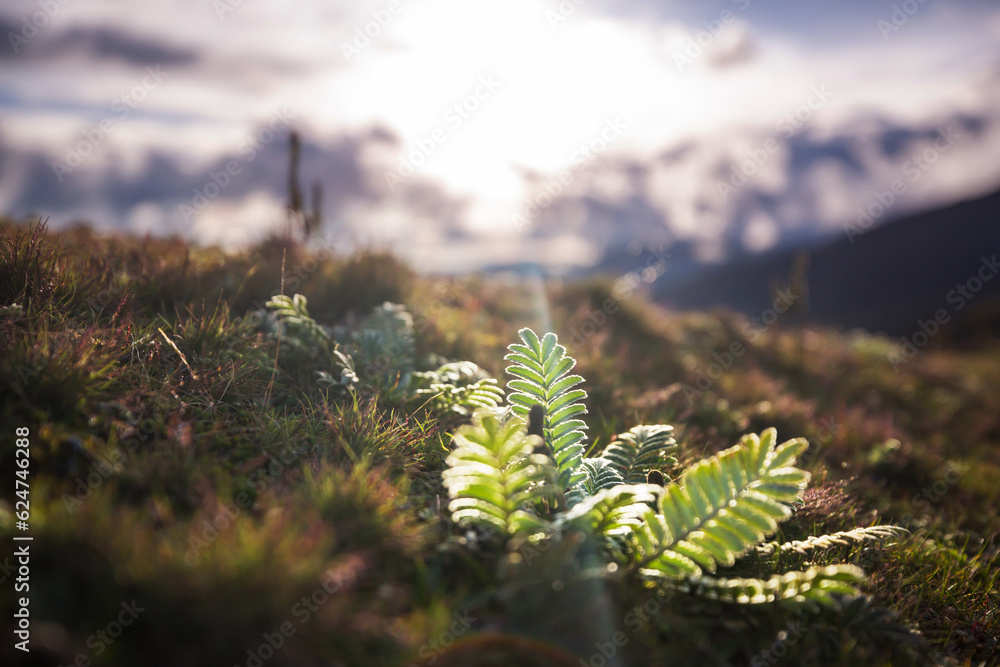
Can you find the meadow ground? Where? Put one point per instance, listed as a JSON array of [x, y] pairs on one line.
[[198, 498]]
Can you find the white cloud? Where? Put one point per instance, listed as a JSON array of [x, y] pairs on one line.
[[226, 222], [760, 233]]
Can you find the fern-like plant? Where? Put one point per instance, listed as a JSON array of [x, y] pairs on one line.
[[598, 474], [844, 538], [295, 326], [643, 448], [458, 387], [677, 536], [383, 349], [378, 356], [611, 515], [721, 508], [493, 477], [817, 585], [541, 370]]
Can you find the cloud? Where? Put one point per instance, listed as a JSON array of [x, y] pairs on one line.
[[671, 197], [162, 194], [163, 176], [8, 27], [687, 129], [721, 197], [102, 43], [733, 47], [96, 43]]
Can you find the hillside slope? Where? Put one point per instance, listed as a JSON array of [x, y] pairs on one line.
[[190, 463], [883, 279]]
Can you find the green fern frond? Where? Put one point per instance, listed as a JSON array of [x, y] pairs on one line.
[[872, 534], [614, 511], [383, 348], [541, 369], [598, 474], [642, 449], [459, 387], [458, 373], [722, 507], [817, 585], [494, 479], [296, 326], [462, 400]]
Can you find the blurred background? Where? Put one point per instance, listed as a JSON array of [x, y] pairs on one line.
[[701, 152]]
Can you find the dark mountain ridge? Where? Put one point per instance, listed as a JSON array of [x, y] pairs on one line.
[[889, 278]]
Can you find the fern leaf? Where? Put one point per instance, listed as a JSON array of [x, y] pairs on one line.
[[817, 585], [872, 534], [494, 479], [541, 377], [384, 346], [612, 511], [459, 387], [598, 474], [723, 506], [297, 327], [481, 394], [642, 449]]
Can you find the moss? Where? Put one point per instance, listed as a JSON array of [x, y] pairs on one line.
[[143, 373]]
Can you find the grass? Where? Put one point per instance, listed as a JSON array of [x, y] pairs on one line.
[[165, 471]]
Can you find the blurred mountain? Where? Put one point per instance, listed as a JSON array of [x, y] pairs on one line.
[[888, 279]]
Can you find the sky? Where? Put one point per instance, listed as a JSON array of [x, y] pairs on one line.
[[464, 134]]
